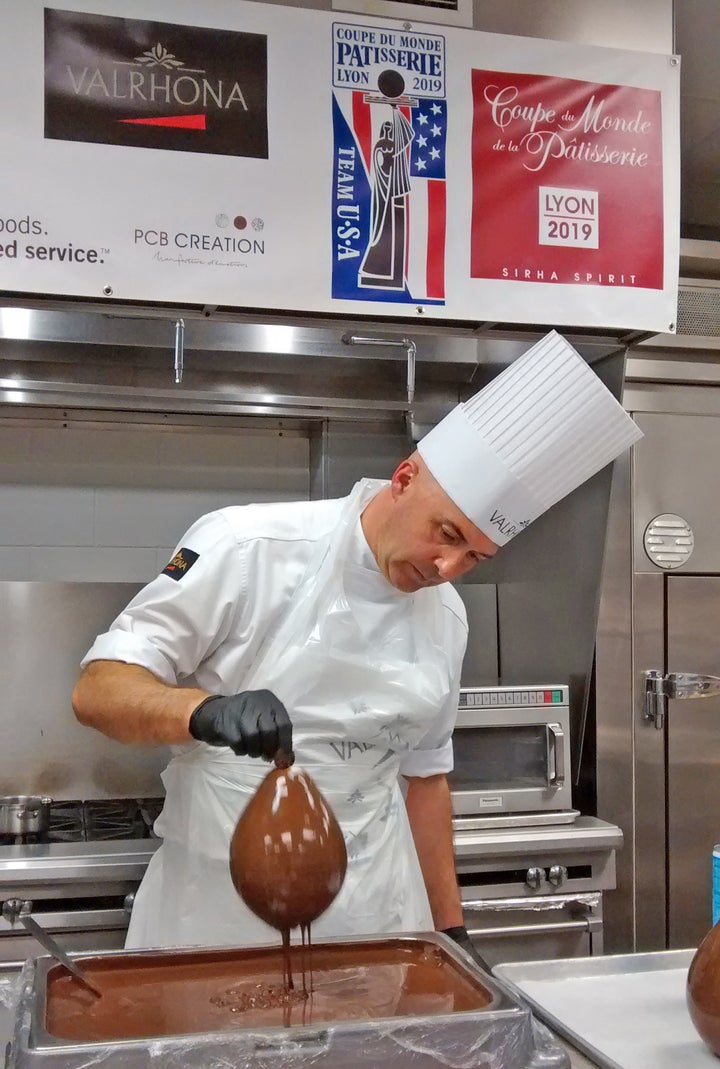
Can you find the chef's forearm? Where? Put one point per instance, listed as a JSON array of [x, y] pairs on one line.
[[132, 705], [430, 813]]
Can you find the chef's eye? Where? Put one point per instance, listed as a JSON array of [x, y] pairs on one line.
[[449, 534]]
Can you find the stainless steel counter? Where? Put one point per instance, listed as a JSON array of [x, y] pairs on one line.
[[82, 892], [124, 860], [67, 863], [128, 858], [585, 833], [623, 1011], [577, 1059]]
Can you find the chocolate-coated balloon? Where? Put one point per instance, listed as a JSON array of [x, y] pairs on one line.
[[703, 989], [287, 855]]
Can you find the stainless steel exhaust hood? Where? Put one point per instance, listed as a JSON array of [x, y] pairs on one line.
[[83, 357]]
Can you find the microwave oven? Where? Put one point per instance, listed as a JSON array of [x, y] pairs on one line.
[[512, 751]]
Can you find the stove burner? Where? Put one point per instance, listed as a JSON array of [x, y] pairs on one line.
[[67, 823], [95, 820], [114, 820]]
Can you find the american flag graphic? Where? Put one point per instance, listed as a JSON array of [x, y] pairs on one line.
[[427, 202], [357, 122]]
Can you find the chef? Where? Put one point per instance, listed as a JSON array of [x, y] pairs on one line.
[[330, 629]]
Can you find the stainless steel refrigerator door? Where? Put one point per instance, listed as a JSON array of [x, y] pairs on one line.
[[693, 757]]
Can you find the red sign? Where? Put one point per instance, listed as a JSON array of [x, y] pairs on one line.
[[567, 181]]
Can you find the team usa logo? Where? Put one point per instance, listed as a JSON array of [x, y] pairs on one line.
[[389, 146]]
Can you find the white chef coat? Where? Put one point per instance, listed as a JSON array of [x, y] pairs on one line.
[[243, 569], [207, 627]]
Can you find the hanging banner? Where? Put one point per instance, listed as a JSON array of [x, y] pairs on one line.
[[555, 164], [95, 93], [252, 156], [389, 198]]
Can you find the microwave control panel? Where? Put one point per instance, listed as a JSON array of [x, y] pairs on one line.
[[512, 697]]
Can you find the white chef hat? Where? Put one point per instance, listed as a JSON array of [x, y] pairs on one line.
[[531, 436]]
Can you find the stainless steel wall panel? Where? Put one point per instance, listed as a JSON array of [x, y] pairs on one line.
[[681, 398], [693, 748], [676, 471], [614, 772], [649, 898], [87, 500], [45, 628], [481, 666], [341, 453], [645, 26], [548, 584]]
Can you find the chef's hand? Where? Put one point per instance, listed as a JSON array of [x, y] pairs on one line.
[[254, 722], [460, 936]]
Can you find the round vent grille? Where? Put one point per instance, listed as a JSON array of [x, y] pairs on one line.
[[669, 540]]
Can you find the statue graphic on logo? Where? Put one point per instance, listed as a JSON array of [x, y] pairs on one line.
[[384, 264]]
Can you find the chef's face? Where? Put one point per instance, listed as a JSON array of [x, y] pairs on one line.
[[425, 539]]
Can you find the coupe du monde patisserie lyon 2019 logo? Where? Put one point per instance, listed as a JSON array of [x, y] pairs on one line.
[[119, 81], [389, 140], [567, 181]]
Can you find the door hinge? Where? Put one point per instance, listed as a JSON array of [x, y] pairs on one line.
[[659, 687]]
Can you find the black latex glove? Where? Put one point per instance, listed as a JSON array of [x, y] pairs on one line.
[[254, 722], [460, 936]]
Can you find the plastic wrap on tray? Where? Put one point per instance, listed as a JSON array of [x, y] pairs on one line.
[[498, 1034]]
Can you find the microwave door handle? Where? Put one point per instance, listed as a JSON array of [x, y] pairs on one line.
[[555, 755]]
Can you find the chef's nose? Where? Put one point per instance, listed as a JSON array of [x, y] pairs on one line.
[[453, 562]]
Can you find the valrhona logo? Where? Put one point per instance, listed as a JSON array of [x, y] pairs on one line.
[[118, 81]]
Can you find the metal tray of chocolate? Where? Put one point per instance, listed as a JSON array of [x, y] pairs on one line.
[[393, 1001]]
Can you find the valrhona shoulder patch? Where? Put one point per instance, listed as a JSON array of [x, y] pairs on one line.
[[181, 563]]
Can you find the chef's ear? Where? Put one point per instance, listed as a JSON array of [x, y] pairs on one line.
[[404, 473]]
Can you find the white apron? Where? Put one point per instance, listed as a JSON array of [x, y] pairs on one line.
[[363, 673]]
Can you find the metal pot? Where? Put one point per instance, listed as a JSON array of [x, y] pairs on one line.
[[24, 814]]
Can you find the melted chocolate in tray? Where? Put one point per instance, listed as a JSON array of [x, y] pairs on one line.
[[173, 993]]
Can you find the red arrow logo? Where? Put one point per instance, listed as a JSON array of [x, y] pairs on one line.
[[183, 122]]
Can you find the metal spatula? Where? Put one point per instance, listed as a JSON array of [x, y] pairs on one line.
[[13, 910]]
